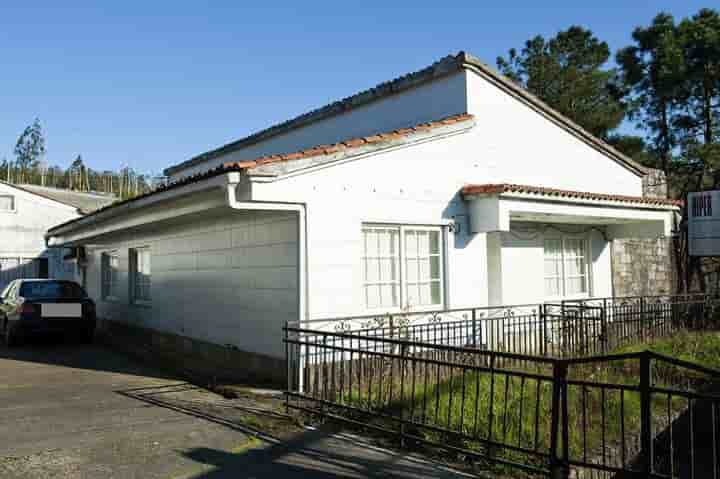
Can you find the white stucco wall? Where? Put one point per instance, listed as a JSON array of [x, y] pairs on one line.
[[516, 144], [22, 233], [431, 101], [412, 185], [223, 277], [419, 184]]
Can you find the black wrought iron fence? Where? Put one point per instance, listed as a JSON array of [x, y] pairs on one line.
[[564, 329], [600, 416], [528, 386]]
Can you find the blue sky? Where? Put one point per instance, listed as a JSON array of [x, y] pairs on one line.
[[153, 83]]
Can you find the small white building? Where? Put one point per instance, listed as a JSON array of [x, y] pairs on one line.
[[26, 213], [446, 188]]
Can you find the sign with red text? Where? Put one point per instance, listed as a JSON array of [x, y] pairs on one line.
[[704, 223]]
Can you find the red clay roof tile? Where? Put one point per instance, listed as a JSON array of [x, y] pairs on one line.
[[499, 188]]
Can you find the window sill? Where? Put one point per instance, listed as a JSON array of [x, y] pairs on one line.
[[111, 299], [400, 312], [567, 298], [141, 304]]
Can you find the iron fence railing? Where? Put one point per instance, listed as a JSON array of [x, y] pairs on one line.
[[563, 329], [468, 381]]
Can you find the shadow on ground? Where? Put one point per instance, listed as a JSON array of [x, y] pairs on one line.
[[61, 351], [285, 449], [316, 454]]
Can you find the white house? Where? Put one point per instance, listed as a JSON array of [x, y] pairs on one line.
[[449, 187], [26, 213]]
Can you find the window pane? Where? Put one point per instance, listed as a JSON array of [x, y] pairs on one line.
[[423, 243], [424, 273], [435, 294], [411, 244], [553, 248], [412, 270], [372, 297], [575, 285], [552, 267], [371, 243], [145, 255], [574, 247], [372, 270], [552, 287], [389, 296], [434, 242], [413, 295], [387, 270], [435, 267], [425, 294], [575, 266], [7, 203]]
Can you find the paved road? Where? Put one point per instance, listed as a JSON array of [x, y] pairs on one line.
[[70, 411]]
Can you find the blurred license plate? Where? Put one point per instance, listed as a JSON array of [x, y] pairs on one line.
[[64, 310]]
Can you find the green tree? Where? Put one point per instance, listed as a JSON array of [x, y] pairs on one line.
[[29, 149], [652, 70], [568, 73], [671, 75], [698, 117]]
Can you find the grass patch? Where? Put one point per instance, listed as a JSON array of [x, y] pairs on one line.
[[504, 407], [701, 348]]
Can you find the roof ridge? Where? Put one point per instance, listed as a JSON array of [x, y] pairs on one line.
[[440, 68], [499, 188]]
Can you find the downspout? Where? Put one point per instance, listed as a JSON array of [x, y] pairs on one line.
[[300, 209]]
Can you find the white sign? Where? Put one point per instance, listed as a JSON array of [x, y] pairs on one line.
[[704, 223]]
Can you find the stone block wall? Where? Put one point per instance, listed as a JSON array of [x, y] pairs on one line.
[[644, 266], [654, 184]]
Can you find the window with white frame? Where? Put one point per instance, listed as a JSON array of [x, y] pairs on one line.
[[7, 203], [109, 265], [402, 267], [140, 279], [566, 267]]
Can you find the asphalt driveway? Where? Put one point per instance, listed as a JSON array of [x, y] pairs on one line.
[[62, 414], [72, 411]]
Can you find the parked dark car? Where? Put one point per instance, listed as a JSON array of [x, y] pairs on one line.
[[42, 306]]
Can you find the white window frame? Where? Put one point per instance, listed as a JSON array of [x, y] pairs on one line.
[[563, 277], [133, 257], [402, 282], [109, 288], [13, 198]]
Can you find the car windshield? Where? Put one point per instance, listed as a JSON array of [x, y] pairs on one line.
[[51, 289]]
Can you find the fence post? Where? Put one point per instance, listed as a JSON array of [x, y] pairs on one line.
[[403, 359], [604, 328], [643, 319], [288, 386], [645, 415], [474, 328], [543, 324], [559, 468]]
